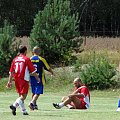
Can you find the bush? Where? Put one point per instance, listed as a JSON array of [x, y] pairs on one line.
[[117, 79], [98, 73]]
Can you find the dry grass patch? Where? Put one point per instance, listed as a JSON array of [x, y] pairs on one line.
[[108, 46], [102, 43]]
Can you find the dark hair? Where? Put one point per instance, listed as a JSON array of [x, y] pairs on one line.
[[22, 49]]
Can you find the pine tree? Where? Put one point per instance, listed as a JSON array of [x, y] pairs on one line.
[[8, 47], [54, 30]]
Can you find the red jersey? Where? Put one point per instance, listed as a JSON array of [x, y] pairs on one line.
[[22, 67], [85, 91]]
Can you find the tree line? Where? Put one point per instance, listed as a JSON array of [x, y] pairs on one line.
[[96, 17]]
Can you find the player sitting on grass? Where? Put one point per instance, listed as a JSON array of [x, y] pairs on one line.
[[79, 99]]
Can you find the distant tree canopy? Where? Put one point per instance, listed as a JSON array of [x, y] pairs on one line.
[[97, 17], [100, 17], [20, 13]]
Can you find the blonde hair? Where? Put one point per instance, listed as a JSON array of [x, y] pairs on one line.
[[36, 49]]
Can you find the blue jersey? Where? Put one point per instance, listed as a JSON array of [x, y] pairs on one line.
[[40, 64]]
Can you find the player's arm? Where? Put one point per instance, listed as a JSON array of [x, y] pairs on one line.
[[46, 66], [32, 70], [36, 76], [80, 93], [76, 94], [9, 83], [50, 70]]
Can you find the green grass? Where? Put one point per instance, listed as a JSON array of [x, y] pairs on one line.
[[103, 106]]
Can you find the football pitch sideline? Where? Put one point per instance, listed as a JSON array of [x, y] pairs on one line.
[[103, 107]]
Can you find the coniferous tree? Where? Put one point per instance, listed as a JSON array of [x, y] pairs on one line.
[[8, 47], [54, 30]]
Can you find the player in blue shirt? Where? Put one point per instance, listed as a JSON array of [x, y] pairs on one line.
[[37, 88]]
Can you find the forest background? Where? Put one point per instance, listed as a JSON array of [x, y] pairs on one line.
[[97, 17]]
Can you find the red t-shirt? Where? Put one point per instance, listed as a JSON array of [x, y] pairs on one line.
[[85, 91], [22, 66]]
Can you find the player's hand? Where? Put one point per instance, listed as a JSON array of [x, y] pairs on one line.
[[38, 80], [37, 77], [70, 96], [51, 75], [9, 84]]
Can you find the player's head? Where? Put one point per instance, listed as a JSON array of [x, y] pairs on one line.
[[22, 49], [36, 50], [77, 82]]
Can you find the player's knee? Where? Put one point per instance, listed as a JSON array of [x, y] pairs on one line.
[[72, 98]]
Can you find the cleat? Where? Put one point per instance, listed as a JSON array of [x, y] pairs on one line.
[[71, 107], [35, 107], [31, 106], [25, 113], [13, 109], [56, 105]]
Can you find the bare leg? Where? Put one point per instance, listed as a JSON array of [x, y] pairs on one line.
[[35, 97], [32, 104], [73, 99], [70, 106], [67, 102]]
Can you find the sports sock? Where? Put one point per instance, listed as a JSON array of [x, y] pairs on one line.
[[32, 102], [61, 104], [17, 102], [20, 103], [23, 107]]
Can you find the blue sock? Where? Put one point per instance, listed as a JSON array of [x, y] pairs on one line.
[[119, 103]]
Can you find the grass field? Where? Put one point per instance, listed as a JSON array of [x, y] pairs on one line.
[[103, 103], [103, 107]]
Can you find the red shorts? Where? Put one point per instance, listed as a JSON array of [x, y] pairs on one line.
[[22, 86]]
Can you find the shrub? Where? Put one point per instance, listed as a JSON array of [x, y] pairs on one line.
[[117, 79], [98, 73]]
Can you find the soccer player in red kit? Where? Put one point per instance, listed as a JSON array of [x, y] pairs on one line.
[[21, 68], [79, 99]]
